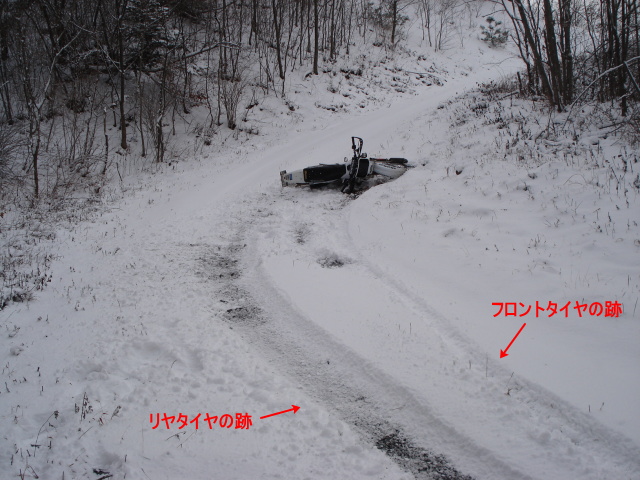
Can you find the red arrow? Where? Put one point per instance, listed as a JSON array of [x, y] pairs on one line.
[[503, 353], [294, 410]]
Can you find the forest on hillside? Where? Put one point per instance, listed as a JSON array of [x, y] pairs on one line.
[[70, 70]]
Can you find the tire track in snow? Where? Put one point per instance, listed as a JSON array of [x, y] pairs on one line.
[[391, 410], [385, 413]]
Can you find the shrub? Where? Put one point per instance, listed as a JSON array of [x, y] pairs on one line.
[[493, 33]]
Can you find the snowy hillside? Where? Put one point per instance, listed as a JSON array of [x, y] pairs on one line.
[[198, 296]]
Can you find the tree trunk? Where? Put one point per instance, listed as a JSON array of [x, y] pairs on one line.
[[35, 154], [316, 30], [394, 21], [143, 151], [552, 54], [120, 11], [567, 55], [535, 52], [277, 26]]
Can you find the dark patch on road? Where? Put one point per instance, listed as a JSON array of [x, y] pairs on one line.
[[418, 460], [332, 261]]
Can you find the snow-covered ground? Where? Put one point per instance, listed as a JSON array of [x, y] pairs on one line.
[[209, 289]]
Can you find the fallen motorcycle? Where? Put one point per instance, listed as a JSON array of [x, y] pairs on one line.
[[349, 174]]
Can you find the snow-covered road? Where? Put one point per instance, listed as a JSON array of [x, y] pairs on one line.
[[381, 355]]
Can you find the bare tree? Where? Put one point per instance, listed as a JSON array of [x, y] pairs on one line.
[[9, 148], [36, 80], [545, 36]]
